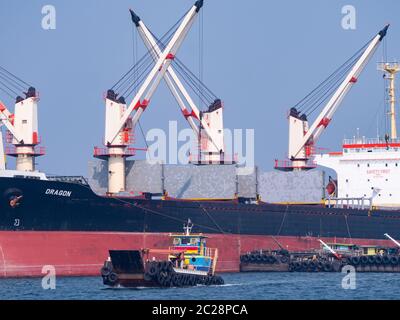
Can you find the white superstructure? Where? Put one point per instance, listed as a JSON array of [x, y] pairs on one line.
[[366, 168]]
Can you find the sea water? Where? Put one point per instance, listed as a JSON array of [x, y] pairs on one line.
[[247, 286]]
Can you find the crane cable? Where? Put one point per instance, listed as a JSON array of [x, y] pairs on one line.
[[318, 95]]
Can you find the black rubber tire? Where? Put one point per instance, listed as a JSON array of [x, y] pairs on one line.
[[164, 265], [394, 261], [297, 266], [214, 280], [265, 258], [189, 281], [284, 259], [320, 265], [253, 258], [258, 258], [153, 269], [314, 265], [203, 280], [181, 281], [245, 258], [328, 267], [113, 278], [161, 276], [386, 259], [147, 277], [304, 266], [364, 260], [271, 259], [176, 280], [105, 271], [378, 259], [186, 280], [291, 267], [371, 260], [355, 261], [168, 282]]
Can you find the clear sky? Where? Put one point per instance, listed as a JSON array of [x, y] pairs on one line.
[[260, 57]]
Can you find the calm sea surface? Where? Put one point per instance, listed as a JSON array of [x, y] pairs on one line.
[[238, 286]]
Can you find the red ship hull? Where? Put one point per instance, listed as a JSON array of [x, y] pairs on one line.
[[25, 253]]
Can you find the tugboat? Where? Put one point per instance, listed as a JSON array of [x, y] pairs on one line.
[[189, 262]]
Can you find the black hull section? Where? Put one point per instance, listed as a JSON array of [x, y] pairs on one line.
[[62, 206]]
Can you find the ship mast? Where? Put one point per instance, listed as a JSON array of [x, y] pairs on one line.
[[390, 69]]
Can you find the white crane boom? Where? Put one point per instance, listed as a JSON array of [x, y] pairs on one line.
[[330, 108], [329, 248], [152, 81], [393, 240], [173, 82], [5, 118]]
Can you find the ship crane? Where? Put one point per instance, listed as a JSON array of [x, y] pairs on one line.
[[22, 126], [119, 121], [211, 142], [302, 137]]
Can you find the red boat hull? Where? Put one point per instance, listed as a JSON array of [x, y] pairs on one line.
[[25, 253]]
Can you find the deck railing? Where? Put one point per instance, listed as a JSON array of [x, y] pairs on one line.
[[352, 203]]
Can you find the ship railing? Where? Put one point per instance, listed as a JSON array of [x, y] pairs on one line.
[[364, 140], [71, 179], [351, 203]]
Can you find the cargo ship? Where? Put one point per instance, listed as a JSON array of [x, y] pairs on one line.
[[62, 222]]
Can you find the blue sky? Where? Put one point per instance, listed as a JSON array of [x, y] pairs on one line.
[[260, 57]]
